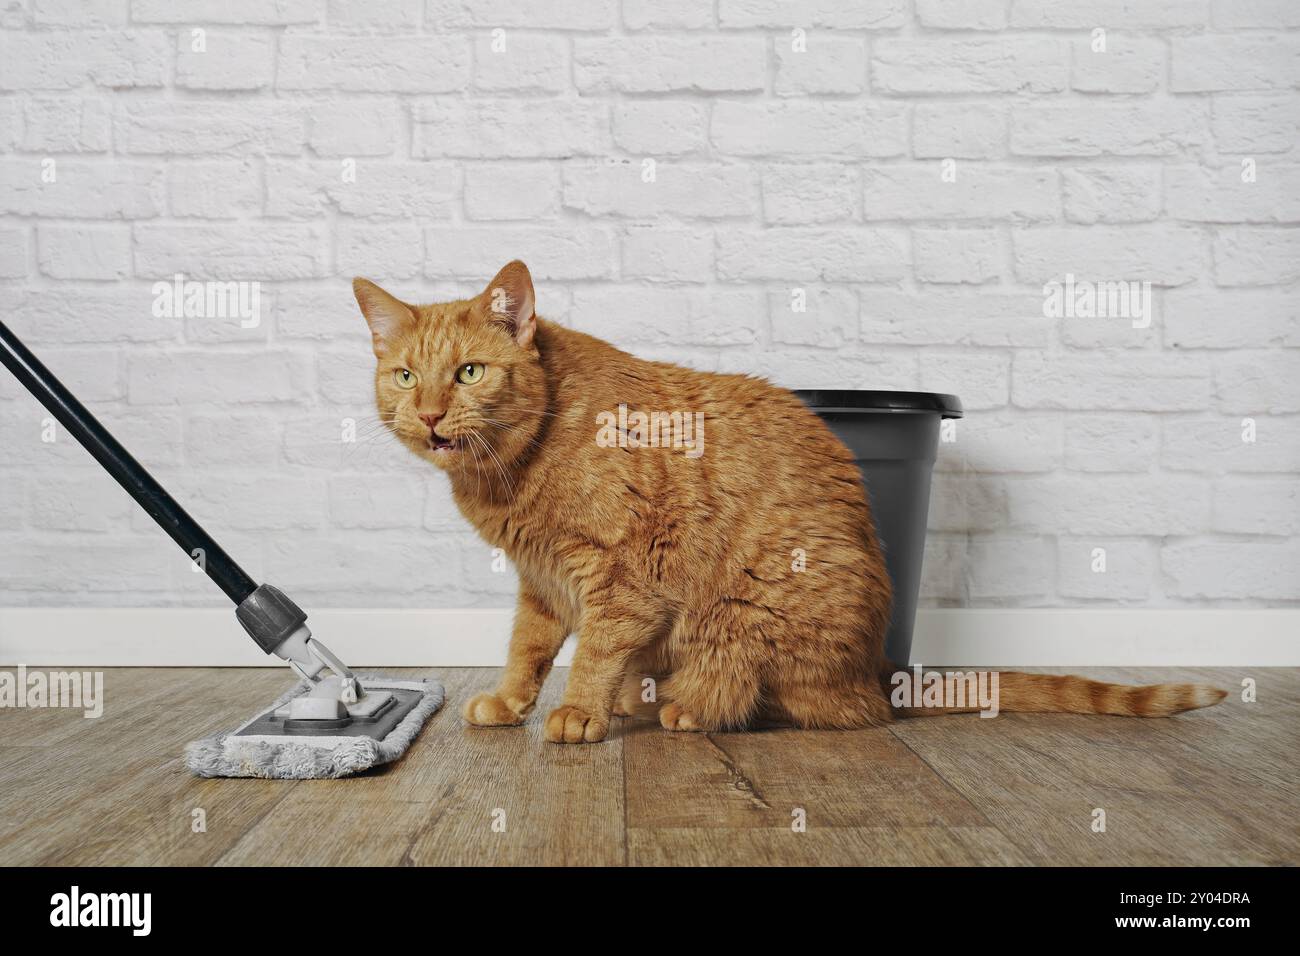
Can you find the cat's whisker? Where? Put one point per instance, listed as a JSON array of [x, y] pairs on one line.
[[516, 406], [509, 426], [506, 426], [496, 460]]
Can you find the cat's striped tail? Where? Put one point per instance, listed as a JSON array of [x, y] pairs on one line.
[[1049, 693]]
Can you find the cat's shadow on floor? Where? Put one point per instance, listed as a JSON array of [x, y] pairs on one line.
[[628, 726]]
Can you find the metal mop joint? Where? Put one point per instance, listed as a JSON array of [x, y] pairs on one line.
[[327, 726]]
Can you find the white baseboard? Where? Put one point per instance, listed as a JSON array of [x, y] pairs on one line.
[[1066, 637]]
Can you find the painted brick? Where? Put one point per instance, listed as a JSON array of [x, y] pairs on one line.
[[833, 14], [377, 501], [370, 190], [850, 367], [1107, 130], [829, 317], [984, 377], [65, 60], [222, 189], [13, 252], [246, 12], [1248, 62], [1162, 255], [1115, 14], [944, 317], [174, 377], [659, 254], [808, 128], [1127, 65], [962, 14], [959, 131], [411, 64], [1256, 256], [1111, 382], [232, 440], [62, 124], [632, 316], [956, 255], [660, 127], [362, 16], [1110, 194], [1230, 14], [1220, 195], [810, 193], [478, 252], [232, 251], [824, 64], [347, 128], [974, 191], [667, 14], [94, 315], [208, 128], [84, 252], [1256, 383], [528, 63], [997, 442], [1256, 506], [856, 255], [688, 190], [505, 191], [498, 129], [1010, 566], [386, 251], [1254, 570], [1110, 504], [656, 64], [941, 65], [559, 15], [1110, 568], [82, 190], [1119, 442], [1217, 444], [1230, 318], [1255, 124], [228, 60]]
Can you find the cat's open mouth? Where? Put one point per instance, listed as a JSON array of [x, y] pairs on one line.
[[438, 443]]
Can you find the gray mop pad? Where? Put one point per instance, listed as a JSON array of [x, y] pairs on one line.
[[307, 758]]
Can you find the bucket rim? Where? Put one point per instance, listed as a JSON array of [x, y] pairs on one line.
[[876, 400]]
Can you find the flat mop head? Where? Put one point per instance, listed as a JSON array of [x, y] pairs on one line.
[[296, 739]]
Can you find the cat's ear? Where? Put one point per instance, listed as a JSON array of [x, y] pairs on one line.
[[508, 299], [387, 316]]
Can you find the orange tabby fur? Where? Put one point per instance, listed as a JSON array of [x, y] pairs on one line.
[[665, 565]]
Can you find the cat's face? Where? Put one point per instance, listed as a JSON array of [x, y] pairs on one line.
[[458, 383]]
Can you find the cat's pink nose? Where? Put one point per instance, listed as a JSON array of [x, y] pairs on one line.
[[431, 420]]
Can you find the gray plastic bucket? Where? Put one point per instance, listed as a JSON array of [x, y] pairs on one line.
[[894, 437]]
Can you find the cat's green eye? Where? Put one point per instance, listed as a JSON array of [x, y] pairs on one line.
[[404, 378], [469, 373]]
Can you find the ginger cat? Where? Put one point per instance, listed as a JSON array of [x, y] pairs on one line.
[[674, 562]]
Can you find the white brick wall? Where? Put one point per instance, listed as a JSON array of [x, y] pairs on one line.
[[920, 168]]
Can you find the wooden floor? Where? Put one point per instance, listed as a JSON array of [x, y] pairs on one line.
[[1217, 786]]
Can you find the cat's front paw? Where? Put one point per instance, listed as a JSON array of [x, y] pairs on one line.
[[672, 716], [489, 710], [570, 725]]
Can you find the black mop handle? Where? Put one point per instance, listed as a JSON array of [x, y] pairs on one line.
[[128, 472]]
